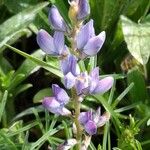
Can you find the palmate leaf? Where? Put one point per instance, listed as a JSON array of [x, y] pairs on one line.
[[137, 37]]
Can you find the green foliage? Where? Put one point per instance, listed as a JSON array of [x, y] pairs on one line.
[[18, 24], [137, 37], [127, 25]]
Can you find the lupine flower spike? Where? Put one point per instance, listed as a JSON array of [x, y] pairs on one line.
[[84, 43]]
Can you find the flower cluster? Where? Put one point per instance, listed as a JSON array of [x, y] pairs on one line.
[[84, 43], [92, 120]]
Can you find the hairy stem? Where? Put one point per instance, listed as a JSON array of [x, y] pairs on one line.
[[77, 123], [77, 104]]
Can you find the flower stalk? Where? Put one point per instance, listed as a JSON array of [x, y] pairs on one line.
[[84, 44], [77, 123]]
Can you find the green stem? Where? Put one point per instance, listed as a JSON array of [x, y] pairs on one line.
[[77, 123], [145, 72]]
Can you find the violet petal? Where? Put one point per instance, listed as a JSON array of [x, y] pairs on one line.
[[69, 64], [65, 112], [45, 41], [60, 94], [59, 42], [90, 127], [84, 9], [103, 119], [104, 85], [94, 44], [69, 80], [56, 20], [51, 104], [81, 83], [84, 117], [85, 33]]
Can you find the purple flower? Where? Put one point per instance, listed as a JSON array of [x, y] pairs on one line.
[[97, 85], [80, 9], [84, 9], [69, 64], [56, 20], [88, 84], [90, 44], [52, 45], [56, 103], [92, 120]]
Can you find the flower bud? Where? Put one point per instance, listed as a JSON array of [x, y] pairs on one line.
[[84, 9], [79, 10], [73, 11], [56, 20]]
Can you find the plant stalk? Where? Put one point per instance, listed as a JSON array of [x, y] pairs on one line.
[[77, 123]]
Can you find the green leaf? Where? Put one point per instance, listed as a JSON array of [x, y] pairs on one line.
[[148, 122], [138, 92], [5, 66], [17, 6], [29, 112], [43, 64], [38, 97], [21, 88], [123, 94], [3, 103], [19, 22], [137, 37], [133, 6], [28, 66], [106, 12], [7, 141]]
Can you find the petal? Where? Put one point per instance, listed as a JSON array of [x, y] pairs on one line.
[[94, 44], [65, 112], [84, 117], [90, 127], [45, 41], [95, 73], [69, 64], [104, 85], [59, 42], [103, 119], [69, 80], [94, 79], [97, 115], [87, 30], [60, 94], [67, 144], [82, 83], [56, 20], [84, 9], [51, 104], [74, 66], [65, 65], [92, 85]]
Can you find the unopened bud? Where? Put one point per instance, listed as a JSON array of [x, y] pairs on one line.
[[73, 11]]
